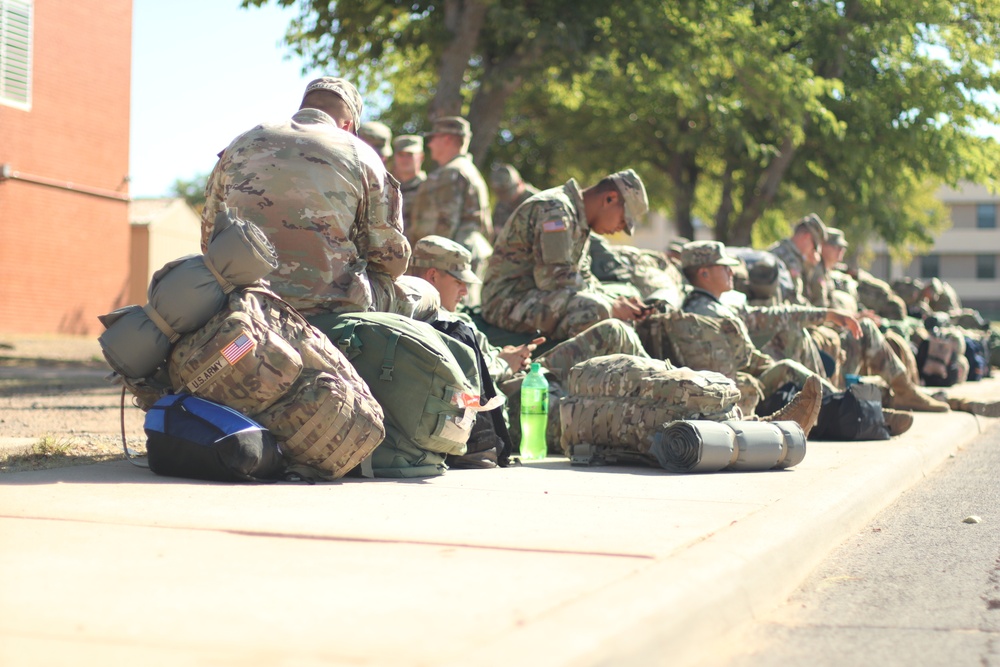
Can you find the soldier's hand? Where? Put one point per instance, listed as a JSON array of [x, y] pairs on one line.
[[628, 309], [842, 319], [519, 356], [870, 315]]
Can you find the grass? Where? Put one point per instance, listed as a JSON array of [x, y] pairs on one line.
[[52, 452]]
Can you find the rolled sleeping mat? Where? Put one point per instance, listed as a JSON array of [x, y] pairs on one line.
[[707, 446], [759, 446], [239, 251], [133, 345], [694, 446]]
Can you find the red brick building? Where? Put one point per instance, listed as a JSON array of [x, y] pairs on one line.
[[64, 144]]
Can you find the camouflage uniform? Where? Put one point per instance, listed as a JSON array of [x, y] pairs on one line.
[[454, 203], [771, 374], [876, 295], [409, 143], [325, 200], [504, 180], [539, 277], [652, 273]]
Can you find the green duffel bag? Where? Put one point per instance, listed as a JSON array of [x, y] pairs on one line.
[[426, 382]]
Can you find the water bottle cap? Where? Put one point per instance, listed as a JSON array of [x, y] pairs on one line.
[[536, 367]]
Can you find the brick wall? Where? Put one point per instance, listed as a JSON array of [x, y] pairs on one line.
[[64, 254]]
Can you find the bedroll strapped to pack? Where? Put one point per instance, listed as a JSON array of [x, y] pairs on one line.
[[190, 437], [695, 341], [426, 382], [183, 295], [618, 401], [261, 357]]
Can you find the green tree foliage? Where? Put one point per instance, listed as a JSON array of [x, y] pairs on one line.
[[737, 112], [193, 191]]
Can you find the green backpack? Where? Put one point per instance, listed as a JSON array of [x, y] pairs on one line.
[[426, 382]]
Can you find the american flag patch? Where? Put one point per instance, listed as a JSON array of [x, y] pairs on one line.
[[238, 349], [554, 226]]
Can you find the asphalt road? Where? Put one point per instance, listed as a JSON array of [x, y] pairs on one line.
[[918, 586]]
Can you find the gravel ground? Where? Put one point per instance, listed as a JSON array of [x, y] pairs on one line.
[[53, 391]]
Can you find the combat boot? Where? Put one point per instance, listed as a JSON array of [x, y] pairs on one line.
[[897, 421], [906, 396], [803, 409], [981, 408]]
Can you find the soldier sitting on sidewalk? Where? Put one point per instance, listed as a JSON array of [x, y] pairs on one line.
[[709, 270], [539, 277]]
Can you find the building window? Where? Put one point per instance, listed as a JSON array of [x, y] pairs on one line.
[[986, 267], [930, 266], [15, 52], [986, 216]]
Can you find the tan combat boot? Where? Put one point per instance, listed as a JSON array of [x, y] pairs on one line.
[[804, 408], [906, 396], [897, 421], [981, 408]]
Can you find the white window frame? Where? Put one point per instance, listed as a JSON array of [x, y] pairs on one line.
[[16, 50]]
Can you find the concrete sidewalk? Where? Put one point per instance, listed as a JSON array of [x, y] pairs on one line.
[[542, 564]]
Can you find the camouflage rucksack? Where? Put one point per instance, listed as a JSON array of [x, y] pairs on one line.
[[618, 401], [426, 382], [696, 341], [261, 357]]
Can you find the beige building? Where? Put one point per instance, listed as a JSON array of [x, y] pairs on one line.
[[162, 230], [966, 255]]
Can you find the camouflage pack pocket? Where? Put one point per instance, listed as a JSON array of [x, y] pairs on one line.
[[236, 360]]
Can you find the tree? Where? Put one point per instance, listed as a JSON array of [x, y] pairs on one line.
[[734, 111], [193, 191]]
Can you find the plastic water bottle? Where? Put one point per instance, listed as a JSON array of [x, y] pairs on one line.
[[534, 414]]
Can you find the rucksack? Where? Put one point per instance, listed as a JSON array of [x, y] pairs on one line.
[[191, 437], [937, 361], [426, 382], [490, 440]]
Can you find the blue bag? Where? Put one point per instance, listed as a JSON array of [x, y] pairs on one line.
[[191, 437]]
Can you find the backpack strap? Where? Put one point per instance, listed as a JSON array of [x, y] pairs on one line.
[[227, 286], [389, 360], [347, 343], [130, 454], [160, 323]]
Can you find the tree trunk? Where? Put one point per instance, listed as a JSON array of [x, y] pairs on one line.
[[760, 197], [464, 20], [724, 214], [498, 83], [683, 171]]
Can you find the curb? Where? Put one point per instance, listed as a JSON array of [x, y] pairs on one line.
[[680, 610]]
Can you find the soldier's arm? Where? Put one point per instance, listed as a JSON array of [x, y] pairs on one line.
[[388, 249], [761, 318], [553, 251]]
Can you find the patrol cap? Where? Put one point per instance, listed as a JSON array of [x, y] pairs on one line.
[[504, 178], [633, 193], [706, 253], [676, 245], [378, 136], [450, 125], [835, 237], [815, 227], [437, 252], [408, 143], [347, 92]]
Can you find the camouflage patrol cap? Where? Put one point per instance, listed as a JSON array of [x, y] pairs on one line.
[[815, 226], [706, 253], [408, 143], [450, 125], [677, 244], [437, 252], [347, 92], [835, 237], [633, 193], [504, 178], [378, 136]]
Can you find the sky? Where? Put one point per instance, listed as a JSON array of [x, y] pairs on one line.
[[203, 71]]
